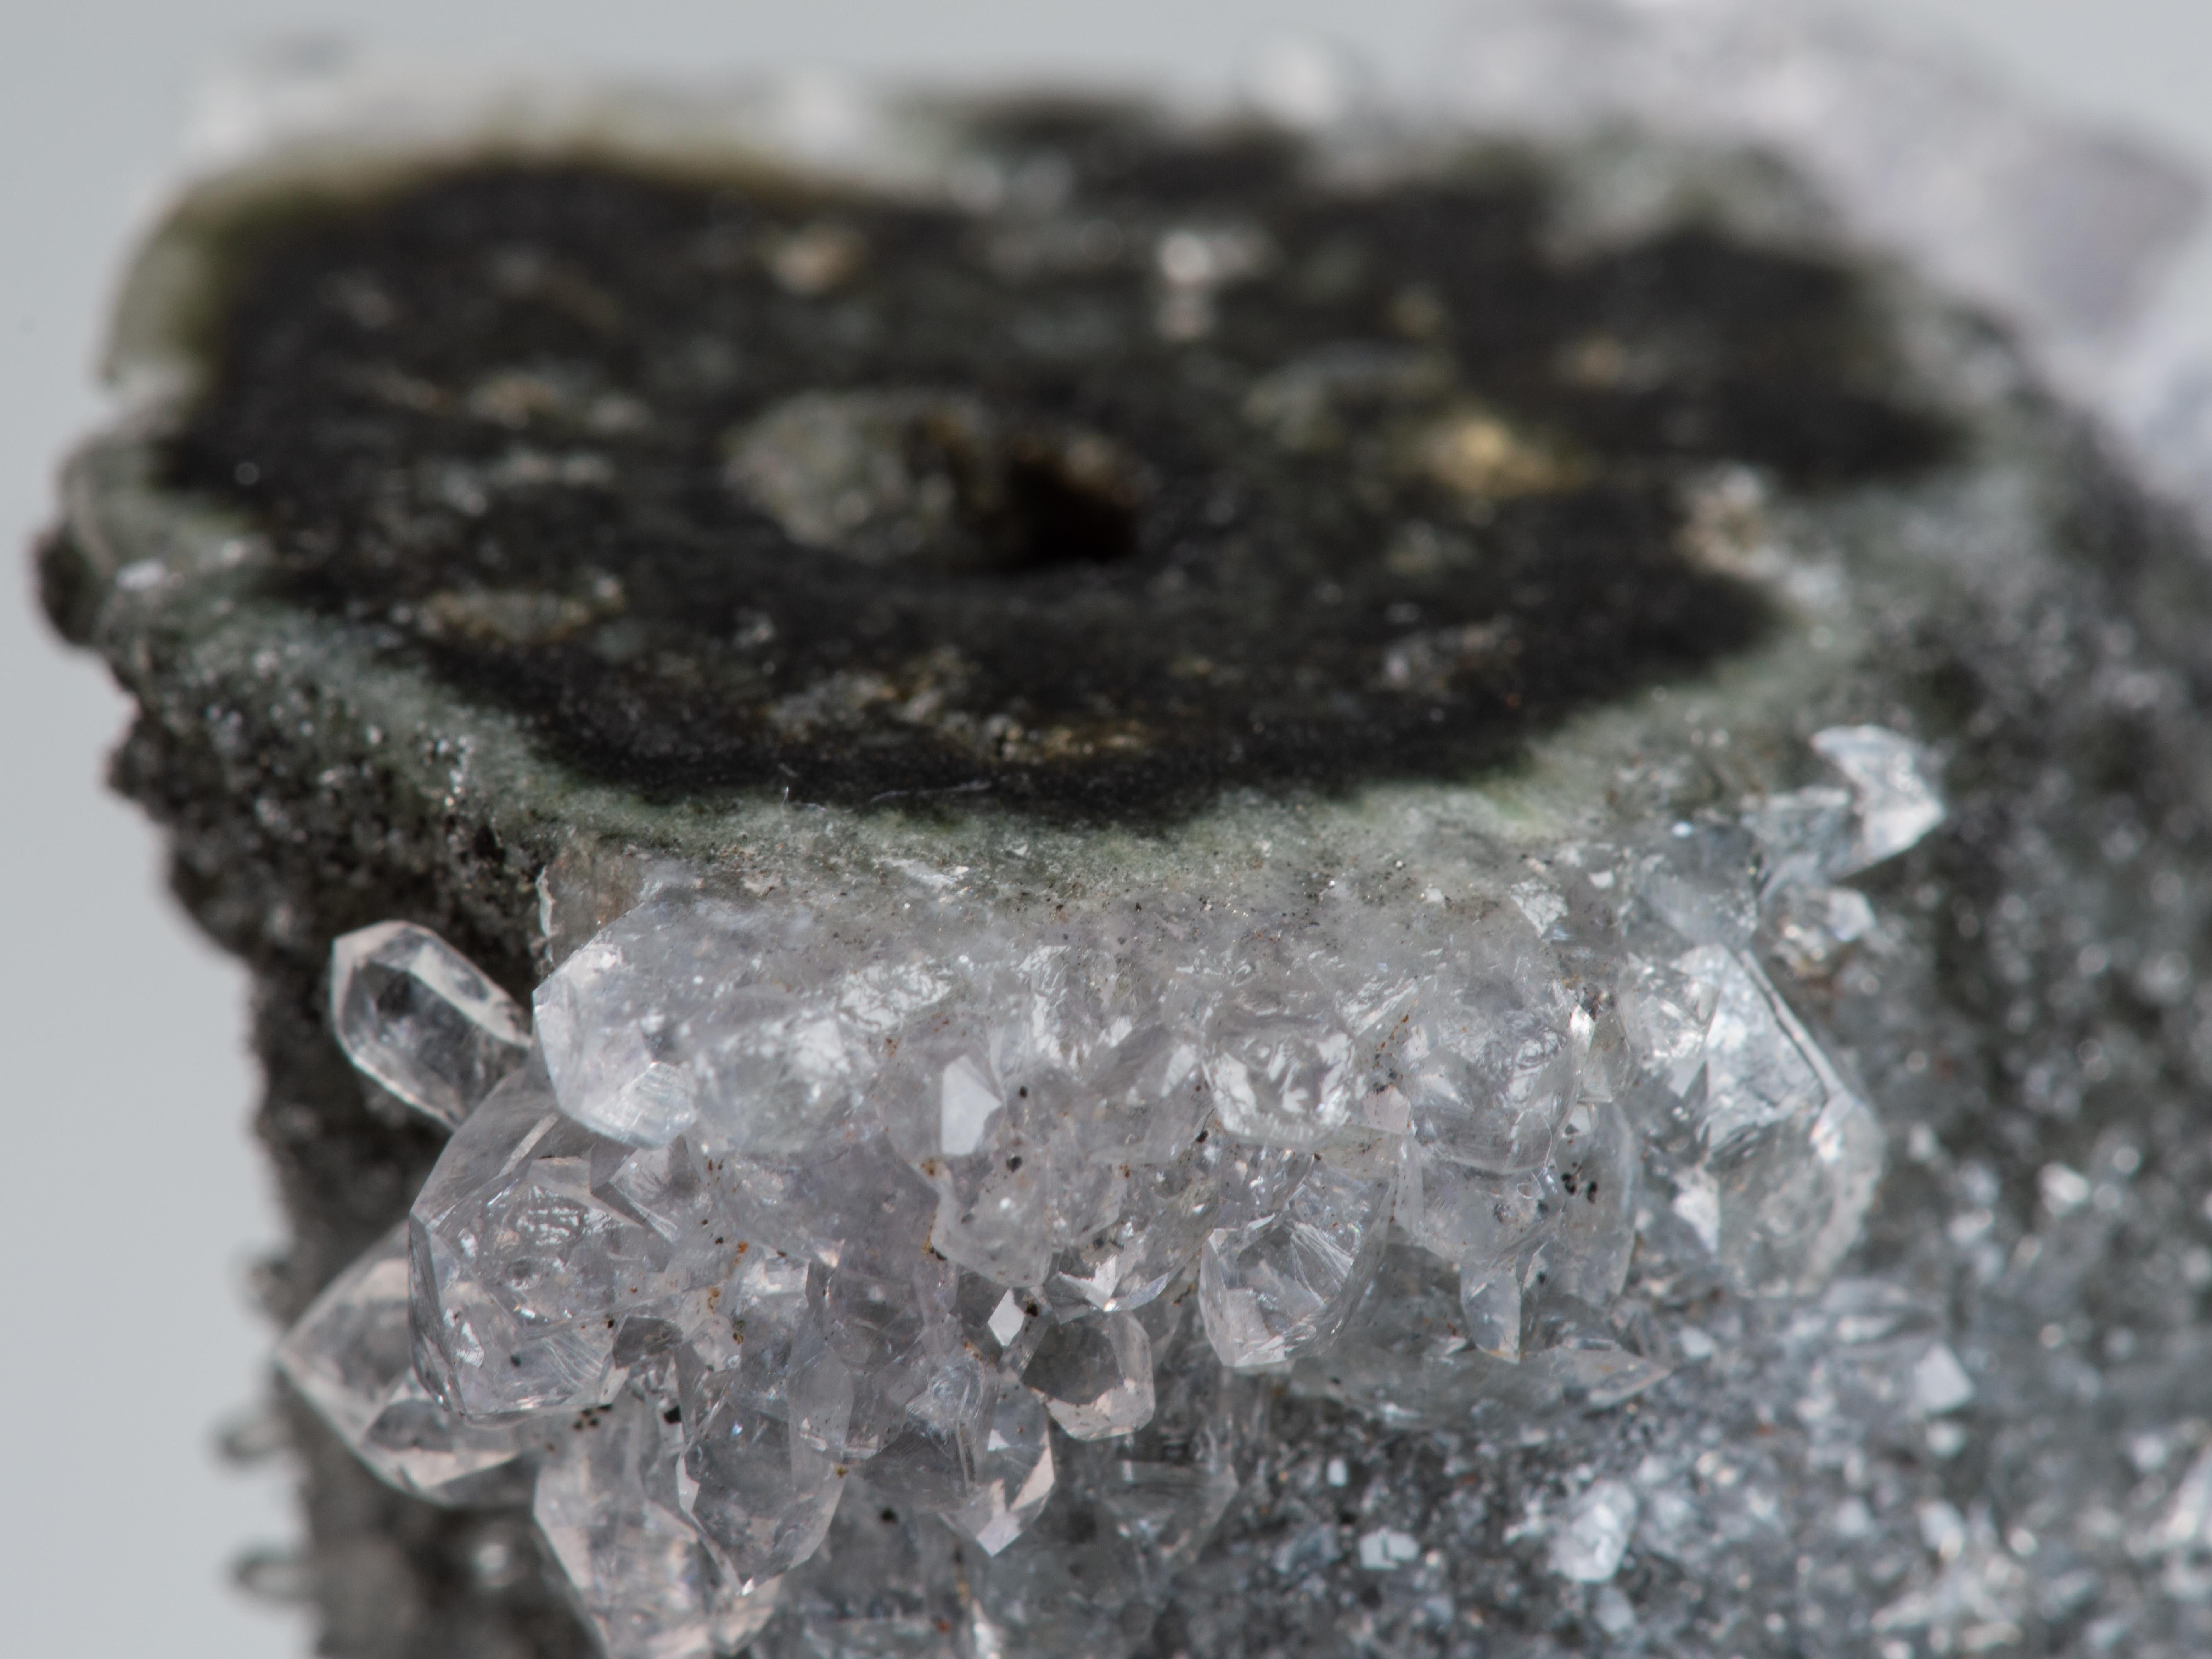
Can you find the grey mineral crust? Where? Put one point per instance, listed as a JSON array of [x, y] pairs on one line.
[[2026, 1021]]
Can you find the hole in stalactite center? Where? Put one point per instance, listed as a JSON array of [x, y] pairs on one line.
[[922, 479]]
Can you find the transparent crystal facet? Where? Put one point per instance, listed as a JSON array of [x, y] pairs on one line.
[[648, 1584], [1094, 1373], [1481, 1221], [526, 1257], [1490, 1302], [1127, 1514], [765, 1432], [1599, 1162], [1015, 1474], [672, 1014], [994, 1213], [1166, 1212], [1278, 1076], [883, 1584], [1895, 797], [931, 1447], [1789, 1154], [418, 1017], [1810, 928], [1280, 1283], [351, 1357], [1485, 1068]]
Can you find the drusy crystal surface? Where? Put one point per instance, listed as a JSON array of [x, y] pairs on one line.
[[1112, 885]]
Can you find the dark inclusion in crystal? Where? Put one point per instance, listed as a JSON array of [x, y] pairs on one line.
[[1160, 464]]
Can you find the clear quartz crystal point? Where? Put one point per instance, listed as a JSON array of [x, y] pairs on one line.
[[420, 1018], [765, 1431], [1406, 1356], [911, 1382], [1787, 1155], [1466, 1216], [1822, 833], [1485, 1061], [1808, 929], [351, 1357], [1014, 1476], [648, 1584], [1598, 1358], [1490, 1302], [1094, 1373], [527, 1256], [857, 1207], [1700, 879], [1665, 1013], [993, 1212], [929, 1454], [1167, 1210], [1167, 1486], [1280, 1283], [1895, 799], [1598, 1161], [1808, 836], [675, 1012], [1127, 1514], [1280, 1060]]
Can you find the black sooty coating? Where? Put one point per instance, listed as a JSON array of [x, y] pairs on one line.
[[1146, 466]]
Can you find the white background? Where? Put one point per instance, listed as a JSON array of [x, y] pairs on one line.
[[131, 1196]]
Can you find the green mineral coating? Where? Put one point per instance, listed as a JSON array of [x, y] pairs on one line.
[[1172, 467]]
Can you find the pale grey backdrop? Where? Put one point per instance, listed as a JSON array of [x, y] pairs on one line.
[[132, 1200]]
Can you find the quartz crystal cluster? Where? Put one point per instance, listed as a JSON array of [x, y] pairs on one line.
[[1202, 901], [900, 1272]]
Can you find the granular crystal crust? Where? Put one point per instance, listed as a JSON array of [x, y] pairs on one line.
[[1725, 1182]]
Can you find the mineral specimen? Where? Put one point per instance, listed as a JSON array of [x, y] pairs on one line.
[[1274, 897], [675, 1230]]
